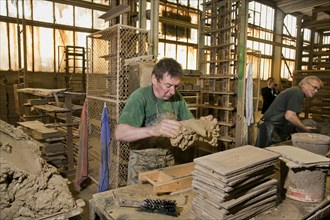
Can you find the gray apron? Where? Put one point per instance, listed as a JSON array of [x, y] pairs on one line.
[[150, 158], [274, 131]]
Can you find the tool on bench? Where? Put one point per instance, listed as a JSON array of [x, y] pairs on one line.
[[159, 206]]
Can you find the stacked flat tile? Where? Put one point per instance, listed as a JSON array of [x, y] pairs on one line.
[[234, 184], [52, 147]]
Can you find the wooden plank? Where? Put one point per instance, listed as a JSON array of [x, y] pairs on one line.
[[51, 108], [42, 92], [173, 185], [115, 12], [38, 131], [169, 179], [37, 101], [173, 171], [53, 147]]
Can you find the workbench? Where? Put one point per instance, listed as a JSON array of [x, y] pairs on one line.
[[105, 205]]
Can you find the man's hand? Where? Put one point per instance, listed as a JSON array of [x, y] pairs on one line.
[[167, 128], [310, 125], [292, 117], [209, 118], [310, 129]]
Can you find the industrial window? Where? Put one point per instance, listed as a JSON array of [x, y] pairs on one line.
[[289, 45], [100, 24], [49, 26], [13, 52], [326, 39], [306, 41], [190, 3], [29, 49], [265, 60], [4, 64], [306, 34], [83, 17], [3, 11], [290, 24], [103, 2], [178, 31], [260, 35], [43, 11], [43, 49], [63, 14], [62, 37], [318, 38], [261, 21]]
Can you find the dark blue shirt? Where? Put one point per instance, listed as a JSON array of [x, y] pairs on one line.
[[290, 99]]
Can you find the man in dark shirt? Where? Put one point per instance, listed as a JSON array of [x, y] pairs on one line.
[[281, 119], [268, 93]]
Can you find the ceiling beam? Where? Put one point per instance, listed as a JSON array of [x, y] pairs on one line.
[[299, 5]]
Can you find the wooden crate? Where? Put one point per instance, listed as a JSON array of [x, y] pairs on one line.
[[169, 179]]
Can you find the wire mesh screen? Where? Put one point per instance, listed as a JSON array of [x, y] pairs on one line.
[[107, 83]]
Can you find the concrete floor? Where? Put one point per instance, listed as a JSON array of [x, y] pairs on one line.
[[85, 194]]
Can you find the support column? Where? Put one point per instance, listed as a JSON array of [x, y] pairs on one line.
[[154, 26], [277, 55]]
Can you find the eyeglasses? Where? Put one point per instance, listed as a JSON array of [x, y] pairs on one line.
[[314, 87]]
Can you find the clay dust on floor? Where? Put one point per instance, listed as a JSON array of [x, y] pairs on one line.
[[86, 193]]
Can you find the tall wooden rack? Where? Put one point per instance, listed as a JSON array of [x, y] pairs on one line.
[[222, 63]]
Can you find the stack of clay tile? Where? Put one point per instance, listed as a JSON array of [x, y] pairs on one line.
[[307, 174], [297, 158], [234, 184]]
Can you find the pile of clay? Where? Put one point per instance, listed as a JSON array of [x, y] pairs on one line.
[[29, 187]]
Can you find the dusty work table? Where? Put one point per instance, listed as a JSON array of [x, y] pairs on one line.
[[291, 209], [105, 205]]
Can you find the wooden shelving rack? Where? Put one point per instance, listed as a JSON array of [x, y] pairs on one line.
[[222, 64], [313, 58]]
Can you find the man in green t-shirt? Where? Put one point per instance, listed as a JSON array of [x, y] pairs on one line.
[[150, 117]]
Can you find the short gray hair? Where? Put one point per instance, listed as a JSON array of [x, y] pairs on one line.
[[307, 79]]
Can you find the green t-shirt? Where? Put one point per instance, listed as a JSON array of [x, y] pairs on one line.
[[144, 109]]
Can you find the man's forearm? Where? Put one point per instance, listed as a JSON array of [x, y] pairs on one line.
[[129, 133], [293, 119]]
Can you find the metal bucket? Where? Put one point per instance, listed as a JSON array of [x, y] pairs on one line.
[[316, 143]]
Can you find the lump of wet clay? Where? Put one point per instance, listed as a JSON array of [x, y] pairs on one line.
[[30, 188], [196, 129]]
